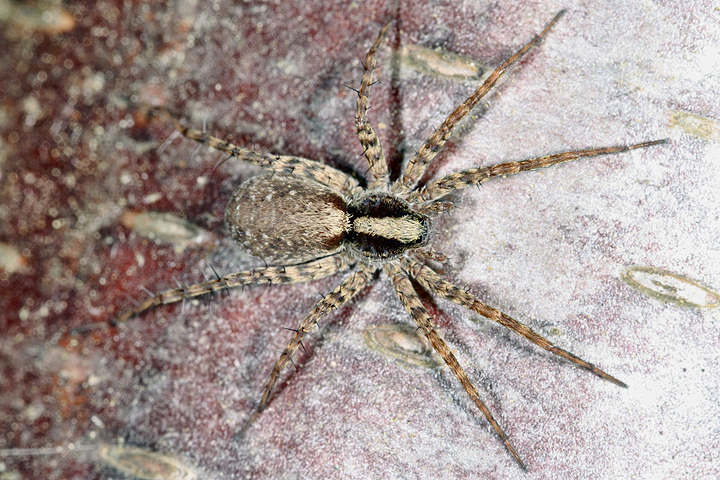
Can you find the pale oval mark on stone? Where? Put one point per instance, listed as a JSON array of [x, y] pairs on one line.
[[551, 331], [43, 17], [437, 62], [145, 464], [696, 125], [403, 343], [670, 287], [165, 228]]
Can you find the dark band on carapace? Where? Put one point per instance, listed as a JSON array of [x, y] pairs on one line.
[[383, 206]]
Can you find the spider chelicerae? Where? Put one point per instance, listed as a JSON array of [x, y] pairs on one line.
[[308, 221]]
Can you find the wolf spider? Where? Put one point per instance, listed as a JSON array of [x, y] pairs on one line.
[[310, 221]]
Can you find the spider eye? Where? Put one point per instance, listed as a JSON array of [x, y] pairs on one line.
[[384, 226]]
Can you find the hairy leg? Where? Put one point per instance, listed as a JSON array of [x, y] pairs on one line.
[[319, 172], [410, 300], [314, 270], [459, 180], [436, 284], [350, 287], [419, 163], [368, 138]]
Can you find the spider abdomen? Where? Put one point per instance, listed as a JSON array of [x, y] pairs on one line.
[[282, 218]]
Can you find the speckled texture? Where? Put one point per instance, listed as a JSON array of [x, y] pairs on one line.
[[286, 220], [549, 247]]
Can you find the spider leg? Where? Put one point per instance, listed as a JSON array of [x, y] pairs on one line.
[[459, 180], [368, 138], [436, 284], [410, 300], [350, 287], [314, 270], [419, 163], [319, 172]]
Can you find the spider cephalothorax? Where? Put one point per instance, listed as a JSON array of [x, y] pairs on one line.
[[308, 221], [384, 227]]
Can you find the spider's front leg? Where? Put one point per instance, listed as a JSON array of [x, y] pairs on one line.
[[457, 181], [419, 163], [350, 287], [436, 284], [410, 300], [368, 138]]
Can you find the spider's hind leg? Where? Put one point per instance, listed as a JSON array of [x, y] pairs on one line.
[[305, 272], [283, 164], [436, 284], [244, 154], [350, 287]]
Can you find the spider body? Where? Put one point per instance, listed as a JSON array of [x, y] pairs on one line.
[[310, 221], [286, 219]]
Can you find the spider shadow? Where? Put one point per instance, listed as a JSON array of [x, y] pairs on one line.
[[397, 147], [323, 107]]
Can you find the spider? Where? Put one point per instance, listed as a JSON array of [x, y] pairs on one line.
[[308, 221]]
